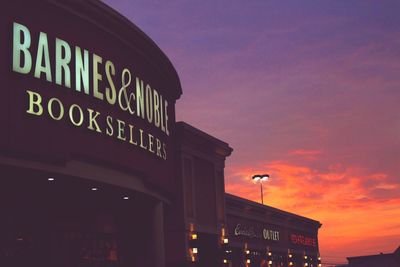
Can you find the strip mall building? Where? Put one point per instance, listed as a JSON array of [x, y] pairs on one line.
[[96, 171]]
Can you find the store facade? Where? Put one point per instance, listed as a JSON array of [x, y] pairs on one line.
[[95, 170], [260, 235], [87, 149]]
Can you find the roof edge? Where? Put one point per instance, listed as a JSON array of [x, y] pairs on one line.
[[225, 149], [258, 205]]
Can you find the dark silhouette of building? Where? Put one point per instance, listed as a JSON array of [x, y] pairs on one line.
[[378, 260]]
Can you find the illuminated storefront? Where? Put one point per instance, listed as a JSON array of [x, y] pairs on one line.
[[260, 235], [95, 170], [88, 155]]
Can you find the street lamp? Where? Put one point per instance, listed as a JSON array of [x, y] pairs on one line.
[[262, 178]]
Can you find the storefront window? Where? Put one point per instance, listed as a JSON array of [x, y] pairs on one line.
[[70, 249], [89, 250]]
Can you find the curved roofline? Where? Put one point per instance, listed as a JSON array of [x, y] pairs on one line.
[[125, 26]]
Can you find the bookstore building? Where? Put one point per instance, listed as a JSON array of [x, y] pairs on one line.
[[94, 169]]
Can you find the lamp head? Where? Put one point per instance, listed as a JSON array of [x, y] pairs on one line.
[[264, 177], [260, 177]]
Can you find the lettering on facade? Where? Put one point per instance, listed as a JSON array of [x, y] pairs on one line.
[[252, 232], [299, 239], [89, 74]]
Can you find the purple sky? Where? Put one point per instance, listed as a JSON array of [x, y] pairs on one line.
[[302, 89]]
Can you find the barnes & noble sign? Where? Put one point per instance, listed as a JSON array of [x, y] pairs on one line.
[[81, 82], [134, 97]]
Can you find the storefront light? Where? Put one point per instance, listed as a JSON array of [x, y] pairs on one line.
[[195, 250], [225, 261], [270, 262], [248, 261], [306, 264], [247, 251], [290, 255], [319, 258], [269, 253], [226, 240], [290, 263], [319, 264], [193, 236], [305, 257]]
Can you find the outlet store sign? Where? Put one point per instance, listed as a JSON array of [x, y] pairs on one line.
[[254, 232]]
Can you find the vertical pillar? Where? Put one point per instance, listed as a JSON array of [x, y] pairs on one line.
[[157, 246]]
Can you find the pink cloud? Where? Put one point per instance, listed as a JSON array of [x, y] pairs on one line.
[[306, 154]]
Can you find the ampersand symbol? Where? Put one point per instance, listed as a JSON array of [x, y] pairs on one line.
[[126, 79]]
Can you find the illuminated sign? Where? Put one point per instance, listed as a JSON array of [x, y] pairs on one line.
[[87, 73], [81, 83], [252, 232], [299, 239]]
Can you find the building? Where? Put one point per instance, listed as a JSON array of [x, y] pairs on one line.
[[264, 236], [378, 260], [95, 169]]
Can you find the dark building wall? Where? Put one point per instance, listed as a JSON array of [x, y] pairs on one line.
[[380, 260], [65, 223], [205, 193], [198, 208]]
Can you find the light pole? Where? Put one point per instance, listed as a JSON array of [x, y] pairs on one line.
[[262, 178]]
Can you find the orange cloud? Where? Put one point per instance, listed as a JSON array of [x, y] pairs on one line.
[[360, 214]]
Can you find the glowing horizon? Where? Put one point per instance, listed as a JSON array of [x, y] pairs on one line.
[[296, 189]]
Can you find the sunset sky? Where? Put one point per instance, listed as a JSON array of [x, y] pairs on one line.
[[308, 91]]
